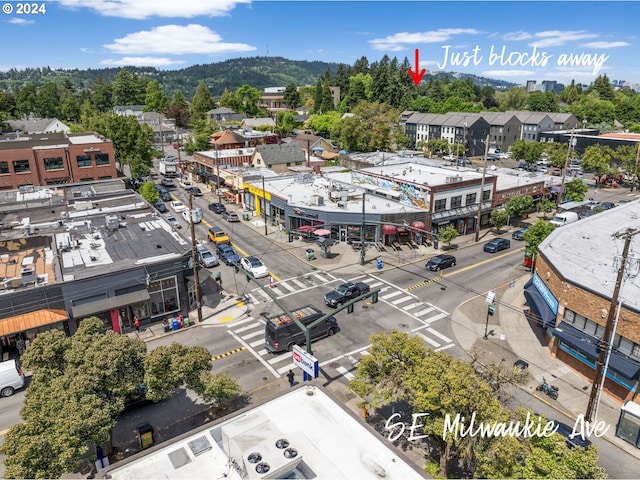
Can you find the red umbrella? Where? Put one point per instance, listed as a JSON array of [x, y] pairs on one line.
[[306, 228], [322, 232]]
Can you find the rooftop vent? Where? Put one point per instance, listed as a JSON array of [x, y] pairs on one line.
[[28, 275], [112, 222]]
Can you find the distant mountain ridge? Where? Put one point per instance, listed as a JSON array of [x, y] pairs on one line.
[[259, 72]]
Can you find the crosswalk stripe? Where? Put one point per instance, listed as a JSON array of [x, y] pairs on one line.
[[412, 305], [264, 294], [247, 327], [439, 335], [252, 334], [241, 322], [256, 343], [286, 368], [444, 348], [297, 282], [346, 373], [392, 294], [285, 285], [376, 284], [436, 317], [279, 358], [401, 300], [262, 352], [428, 340], [424, 312], [252, 299], [320, 278]]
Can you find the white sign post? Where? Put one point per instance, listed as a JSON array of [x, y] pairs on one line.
[[307, 362]]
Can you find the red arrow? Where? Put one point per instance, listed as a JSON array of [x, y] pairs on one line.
[[417, 75]]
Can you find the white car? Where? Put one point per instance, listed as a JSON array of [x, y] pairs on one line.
[[171, 220], [254, 266], [177, 206]]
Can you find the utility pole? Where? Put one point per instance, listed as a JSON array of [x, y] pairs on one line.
[[217, 173], [264, 207], [600, 372], [635, 169], [480, 200], [564, 172], [194, 258], [362, 246]]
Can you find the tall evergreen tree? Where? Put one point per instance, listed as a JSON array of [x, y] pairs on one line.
[[291, 97], [381, 81], [155, 100], [317, 97], [201, 103], [342, 80], [327, 97]]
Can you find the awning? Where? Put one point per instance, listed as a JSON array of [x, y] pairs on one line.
[[539, 308], [418, 225], [27, 321], [389, 229], [86, 309], [589, 346]]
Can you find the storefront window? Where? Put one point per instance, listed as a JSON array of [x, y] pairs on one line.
[[164, 296]]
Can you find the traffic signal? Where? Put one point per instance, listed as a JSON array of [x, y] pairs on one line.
[[492, 308]]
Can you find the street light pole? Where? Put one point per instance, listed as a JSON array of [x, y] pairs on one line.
[[362, 246], [217, 174], [484, 174], [194, 258], [564, 172]]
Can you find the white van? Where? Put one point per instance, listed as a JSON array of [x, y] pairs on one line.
[[11, 377], [195, 213], [563, 218]]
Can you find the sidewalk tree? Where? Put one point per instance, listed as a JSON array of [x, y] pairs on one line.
[[518, 205], [575, 190], [499, 218], [448, 234], [536, 233], [596, 159], [79, 387], [546, 206], [149, 192]]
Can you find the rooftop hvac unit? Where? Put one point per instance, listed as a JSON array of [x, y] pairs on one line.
[[342, 204], [112, 222], [317, 200], [453, 179], [28, 275]]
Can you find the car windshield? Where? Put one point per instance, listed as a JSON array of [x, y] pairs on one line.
[[254, 262], [207, 254], [341, 290]]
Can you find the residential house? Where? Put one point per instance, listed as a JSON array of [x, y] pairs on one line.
[[532, 124], [279, 157], [36, 126], [224, 115], [504, 130]]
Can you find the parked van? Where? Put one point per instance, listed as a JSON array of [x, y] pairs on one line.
[[11, 377], [563, 218], [196, 215], [282, 333]]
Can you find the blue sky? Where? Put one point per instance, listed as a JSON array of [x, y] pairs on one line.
[[514, 41]]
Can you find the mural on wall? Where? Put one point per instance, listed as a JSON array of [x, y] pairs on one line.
[[410, 194]]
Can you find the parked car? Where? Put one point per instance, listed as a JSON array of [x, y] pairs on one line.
[[171, 220], [227, 254], [207, 258], [167, 182], [195, 191], [217, 207], [463, 161], [177, 206], [184, 183], [254, 266], [449, 158], [519, 234], [496, 245], [607, 205], [161, 207], [441, 261], [230, 216]]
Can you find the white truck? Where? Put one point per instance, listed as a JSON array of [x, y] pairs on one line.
[[168, 169], [564, 218], [11, 377]]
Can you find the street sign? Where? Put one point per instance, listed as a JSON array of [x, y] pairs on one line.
[[307, 362], [491, 296]]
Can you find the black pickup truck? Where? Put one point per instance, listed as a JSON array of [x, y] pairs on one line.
[[345, 292]]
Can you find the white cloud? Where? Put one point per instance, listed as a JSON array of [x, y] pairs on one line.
[[141, 9], [604, 44], [141, 62], [400, 41], [557, 38], [20, 21], [176, 39], [517, 36], [507, 73]]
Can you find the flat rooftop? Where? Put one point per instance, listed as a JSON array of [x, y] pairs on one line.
[[419, 173], [328, 442], [587, 253]]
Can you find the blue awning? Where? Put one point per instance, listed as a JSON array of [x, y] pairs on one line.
[[589, 346], [539, 308]]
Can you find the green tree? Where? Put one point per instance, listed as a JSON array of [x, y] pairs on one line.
[[155, 100], [448, 234], [545, 206], [515, 98], [202, 131], [131, 141], [528, 151], [102, 95], [291, 97], [575, 190], [499, 218], [602, 87], [179, 109], [317, 98], [359, 89], [536, 233], [324, 123], [246, 99], [79, 386], [596, 159], [128, 89], [201, 103], [519, 205], [327, 97], [543, 102], [461, 89], [27, 100], [373, 126], [149, 192]]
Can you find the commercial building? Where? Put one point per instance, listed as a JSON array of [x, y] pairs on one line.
[[570, 296], [55, 158], [305, 434]]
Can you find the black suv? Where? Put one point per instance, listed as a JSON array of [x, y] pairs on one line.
[[217, 207], [441, 261]]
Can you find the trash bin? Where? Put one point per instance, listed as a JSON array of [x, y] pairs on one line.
[[245, 217], [185, 322], [166, 326], [145, 435], [174, 324], [310, 254], [379, 264]]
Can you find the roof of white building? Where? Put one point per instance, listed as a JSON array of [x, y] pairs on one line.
[[587, 253], [320, 439]]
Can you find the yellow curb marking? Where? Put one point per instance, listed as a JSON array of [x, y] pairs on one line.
[[422, 284], [226, 354], [228, 318]]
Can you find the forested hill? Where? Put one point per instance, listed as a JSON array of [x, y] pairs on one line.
[[259, 72]]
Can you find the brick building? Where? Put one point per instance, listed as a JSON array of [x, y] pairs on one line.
[[55, 158], [570, 295]]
